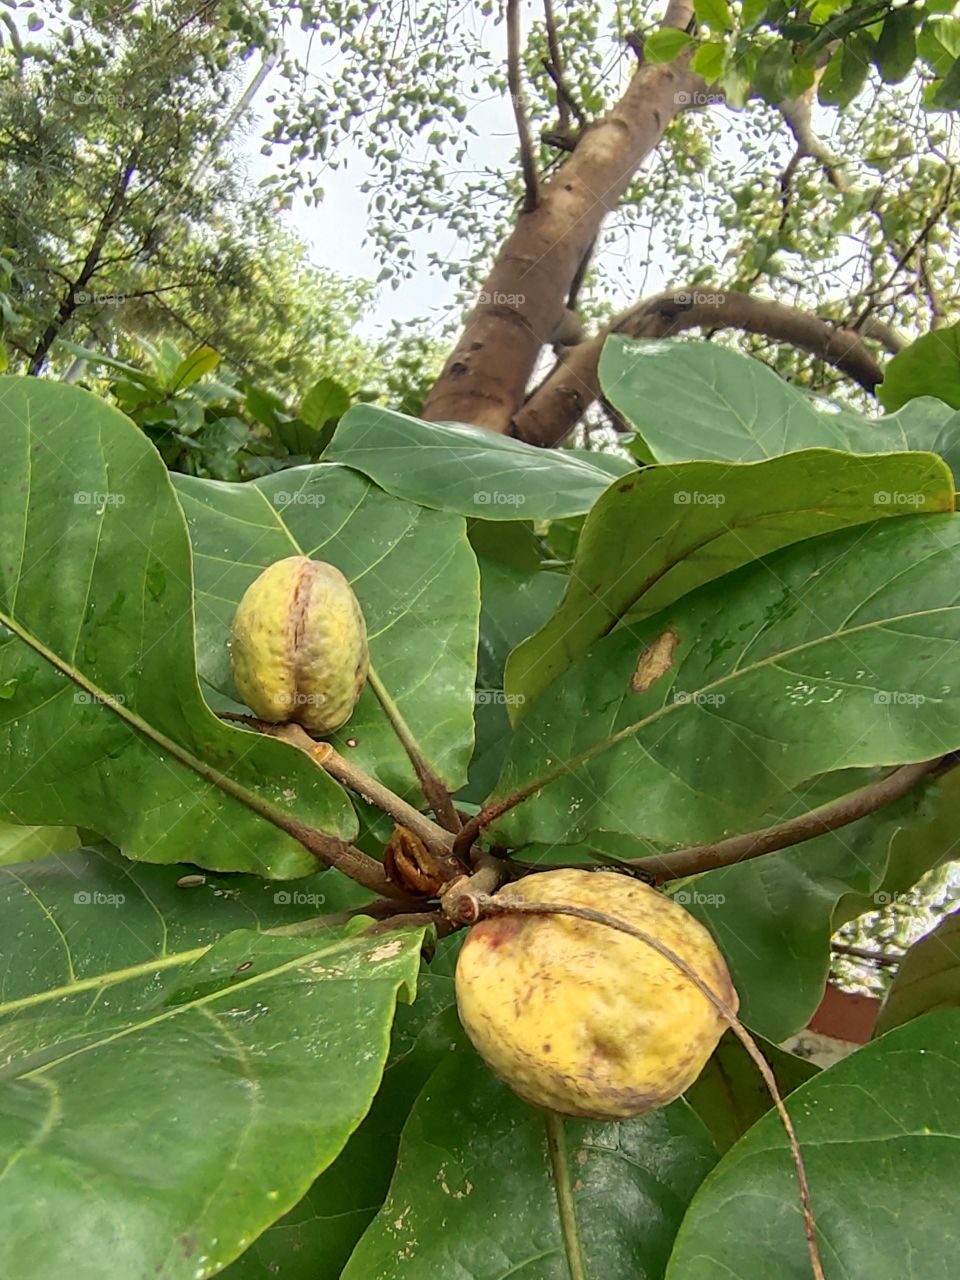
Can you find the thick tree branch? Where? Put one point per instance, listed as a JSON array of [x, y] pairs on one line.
[[522, 299], [571, 387], [807, 826]]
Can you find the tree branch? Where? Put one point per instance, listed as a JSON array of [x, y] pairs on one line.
[[90, 264], [556, 406], [527, 161], [817, 822], [438, 797]]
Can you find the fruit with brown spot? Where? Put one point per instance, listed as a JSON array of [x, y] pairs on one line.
[[585, 1020]]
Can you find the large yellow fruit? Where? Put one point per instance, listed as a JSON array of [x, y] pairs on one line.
[[299, 650], [580, 1018]]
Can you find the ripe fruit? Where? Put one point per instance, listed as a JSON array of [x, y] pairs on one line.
[[300, 645], [580, 1018]]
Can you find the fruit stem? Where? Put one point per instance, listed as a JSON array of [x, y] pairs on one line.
[[557, 1147], [438, 797]]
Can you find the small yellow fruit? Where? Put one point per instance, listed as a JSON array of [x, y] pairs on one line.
[[580, 1018], [300, 645]]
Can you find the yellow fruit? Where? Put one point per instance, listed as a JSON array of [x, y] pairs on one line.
[[300, 645], [580, 1018]]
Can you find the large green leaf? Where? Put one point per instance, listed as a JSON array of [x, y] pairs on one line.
[[928, 367], [788, 904], [879, 1133], [90, 924], [470, 470], [697, 400], [473, 1195], [102, 723], [659, 534], [315, 1239], [833, 654], [20, 844], [414, 574], [928, 978], [147, 1095], [730, 1096], [514, 603]]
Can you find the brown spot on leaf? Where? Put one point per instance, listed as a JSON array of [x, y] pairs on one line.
[[655, 660]]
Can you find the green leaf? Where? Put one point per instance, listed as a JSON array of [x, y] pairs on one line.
[[667, 530], [255, 1045], [191, 370], [449, 466], [829, 655], [938, 43], [947, 95], [928, 977], [791, 902], [751, 12], [879, 1137], [20, 844], [326, 399], [90, 924], [106, 721], [928, 367], [897, 46], [730, 1096], [315, 1239], [514, 603], [697, 400], [473, 1195], [715, 13], [415, 577], [774, 74], [708, 61], [664, 44]]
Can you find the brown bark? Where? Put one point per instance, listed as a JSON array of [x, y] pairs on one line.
[[571, 387], [522, 300]]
